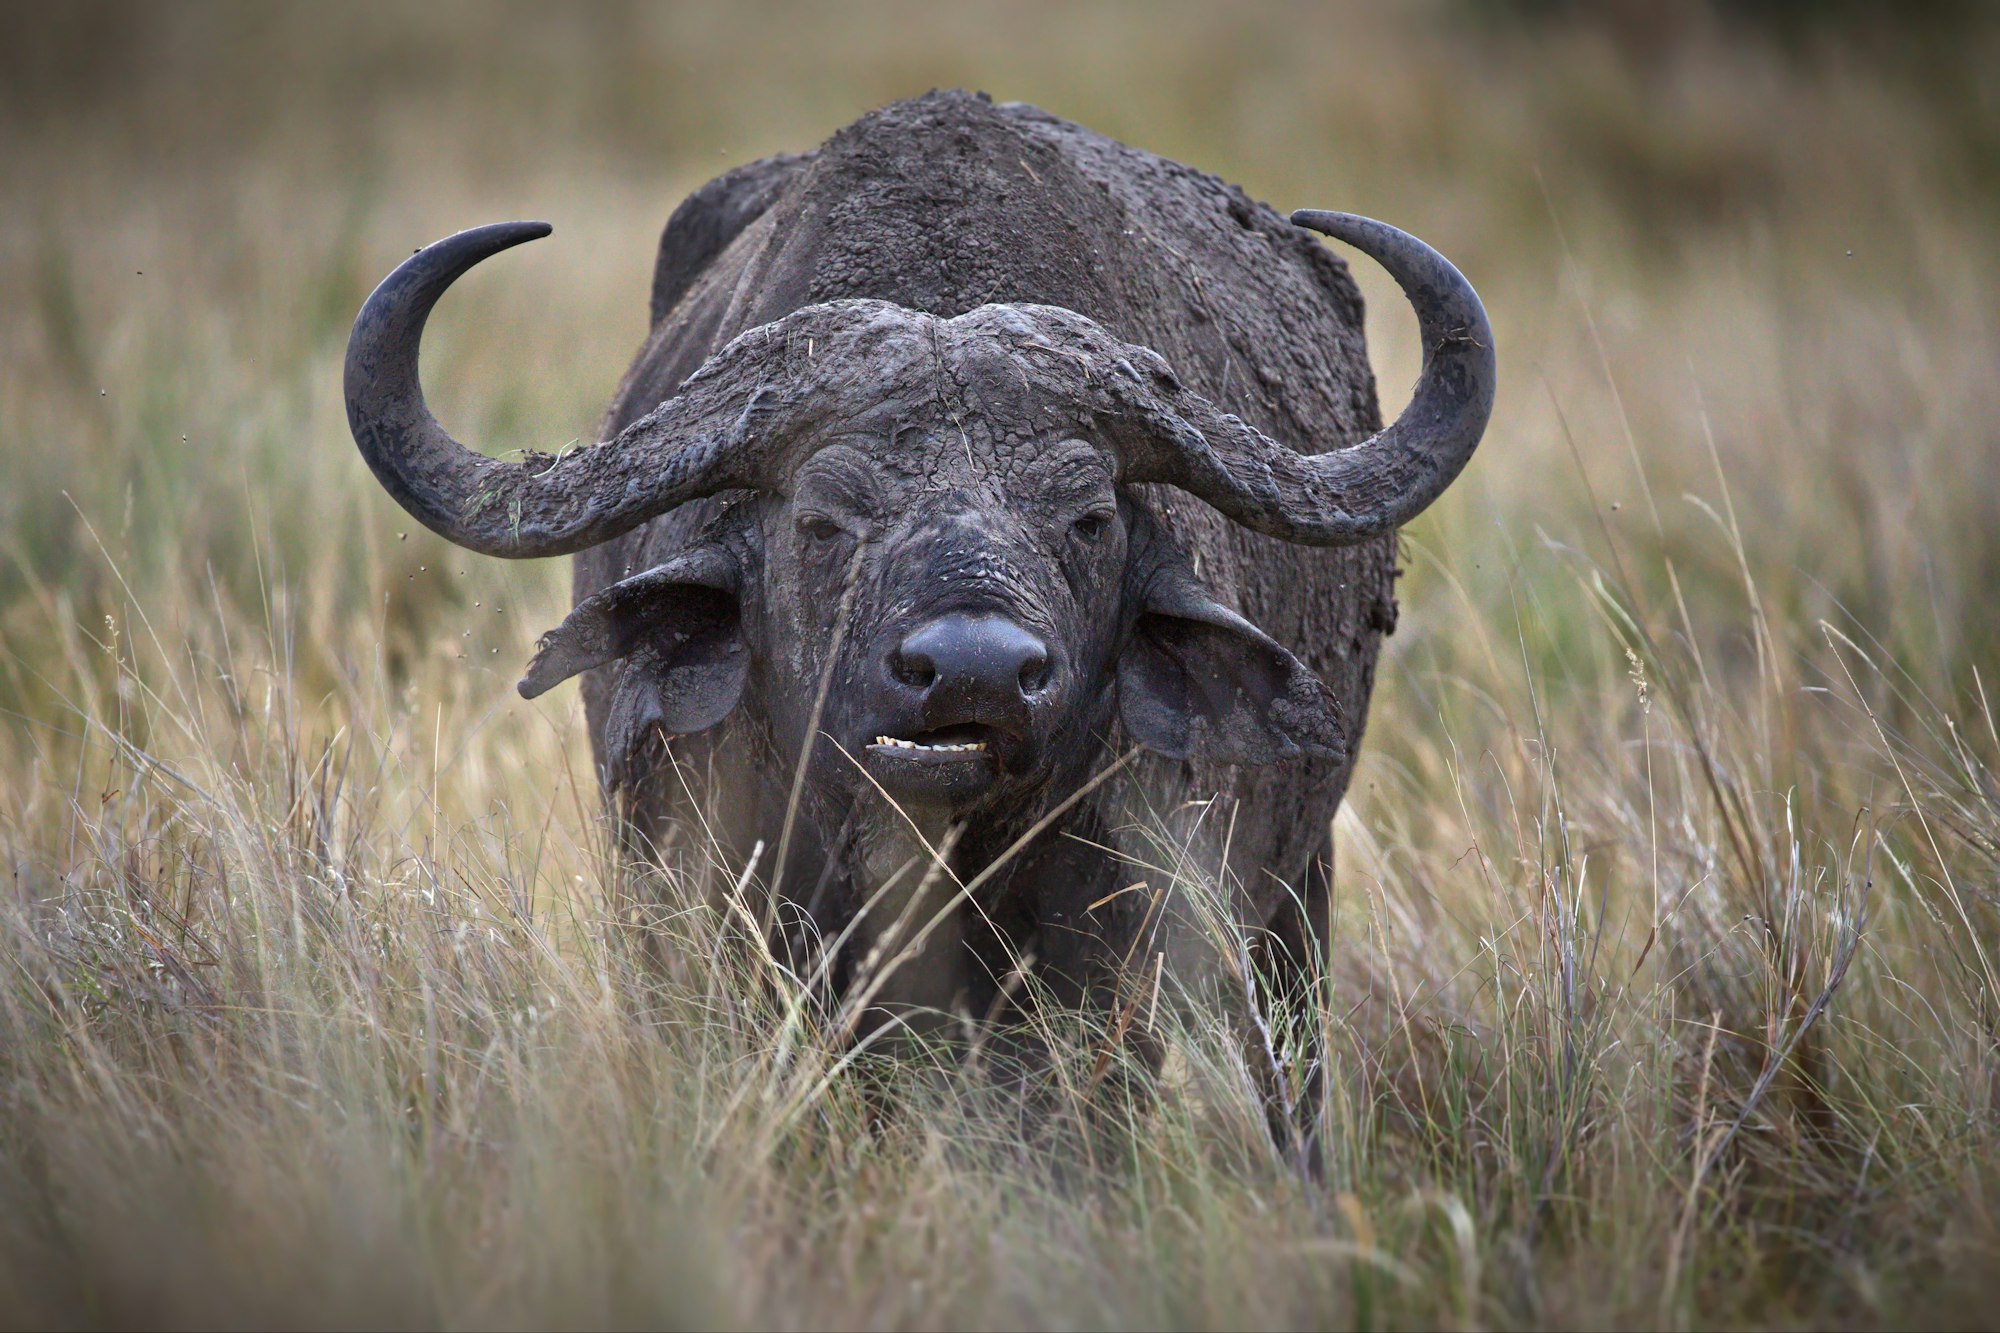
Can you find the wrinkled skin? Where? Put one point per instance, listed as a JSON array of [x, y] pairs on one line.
[[951, 485]]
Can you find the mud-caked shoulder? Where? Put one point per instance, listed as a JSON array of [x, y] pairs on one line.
[[1284, 303], [713, 216]]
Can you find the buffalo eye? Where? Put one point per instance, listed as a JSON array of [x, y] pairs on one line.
[[1091, 526], [819, 528]]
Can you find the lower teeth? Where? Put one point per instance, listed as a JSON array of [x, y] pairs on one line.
[[900, 744]]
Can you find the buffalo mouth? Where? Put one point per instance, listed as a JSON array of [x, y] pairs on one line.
[[941, 762], [969, 738]]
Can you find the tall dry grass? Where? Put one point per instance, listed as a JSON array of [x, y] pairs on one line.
[[1663, 990]]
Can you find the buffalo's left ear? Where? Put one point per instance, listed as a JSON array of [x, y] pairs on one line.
[[680, 623], [1196, 680]]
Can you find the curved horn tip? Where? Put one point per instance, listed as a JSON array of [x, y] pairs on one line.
[[416, 283], [1447, 305], [1364, 233], [1325, 220], [496, 236], [462, 249], [444, 261]]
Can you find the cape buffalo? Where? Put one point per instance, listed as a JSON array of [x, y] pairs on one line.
[[995, 518]]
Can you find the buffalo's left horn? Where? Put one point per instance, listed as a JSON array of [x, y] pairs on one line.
[[708, 438], [1345, 495]]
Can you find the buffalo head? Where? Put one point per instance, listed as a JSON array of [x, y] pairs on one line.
[[932, 554]]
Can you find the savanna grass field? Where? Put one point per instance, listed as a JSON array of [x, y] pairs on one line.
[[1662, 987]]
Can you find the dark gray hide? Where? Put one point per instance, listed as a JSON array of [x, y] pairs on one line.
[[979, 338]]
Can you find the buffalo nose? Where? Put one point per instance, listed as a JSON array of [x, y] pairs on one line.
[[972, 656]]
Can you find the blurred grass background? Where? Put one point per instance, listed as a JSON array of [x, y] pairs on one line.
[[1690, 687]]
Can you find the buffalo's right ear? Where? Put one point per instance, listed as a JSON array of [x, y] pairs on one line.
[[1196, 679], [680, 624]]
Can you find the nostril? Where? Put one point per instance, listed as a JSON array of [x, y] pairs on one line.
[[914, 669], [1034, 672]]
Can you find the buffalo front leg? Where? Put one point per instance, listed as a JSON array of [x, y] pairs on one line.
[[911, 965], [1292, 999]]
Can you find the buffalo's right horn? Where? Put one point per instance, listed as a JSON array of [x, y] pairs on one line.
[[712, 436], [1343, 495]]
